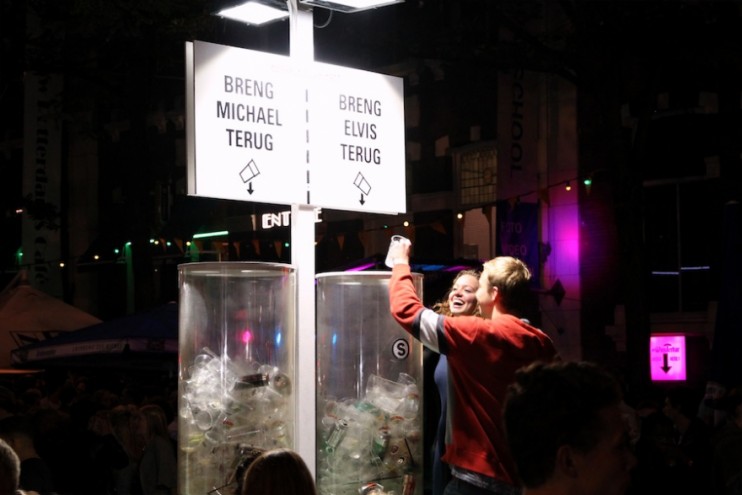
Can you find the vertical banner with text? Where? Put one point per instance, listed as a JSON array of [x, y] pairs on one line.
[[519, 102], [42, 157], [517, 234]]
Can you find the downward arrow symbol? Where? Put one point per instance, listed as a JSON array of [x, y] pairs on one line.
[[665, 367]]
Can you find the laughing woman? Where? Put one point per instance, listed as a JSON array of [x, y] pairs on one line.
[[461, 300]]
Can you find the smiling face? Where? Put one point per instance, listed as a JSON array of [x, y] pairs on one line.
[[462, 298]]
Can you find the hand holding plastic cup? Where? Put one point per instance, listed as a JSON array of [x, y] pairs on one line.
[[397, 243]]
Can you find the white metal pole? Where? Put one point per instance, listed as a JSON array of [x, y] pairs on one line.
[[302, 254], [302, 257]]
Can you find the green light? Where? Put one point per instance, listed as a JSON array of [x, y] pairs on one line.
[[587, 181], [211, 234], [286, 244], [128, 244], [116, 251]]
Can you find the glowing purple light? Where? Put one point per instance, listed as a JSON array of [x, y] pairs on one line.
[[667, 358], [360, 268]]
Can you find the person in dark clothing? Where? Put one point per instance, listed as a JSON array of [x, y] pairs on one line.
[[726, 469], [10, 470], [35, 473], [104, 455], [158, 465], [692, 452], [566, 431], [655, 469]]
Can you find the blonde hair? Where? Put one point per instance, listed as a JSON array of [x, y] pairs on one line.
[[124, 428], [511, 277], [155, 420]]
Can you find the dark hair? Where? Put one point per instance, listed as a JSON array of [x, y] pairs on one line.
[[551, 405], [247, 455], [278, 472]]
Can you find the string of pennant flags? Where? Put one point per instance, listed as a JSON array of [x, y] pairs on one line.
[[191, 248]]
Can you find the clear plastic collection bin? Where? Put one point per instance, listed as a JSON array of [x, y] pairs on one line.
[[369, 390], [236, 370]]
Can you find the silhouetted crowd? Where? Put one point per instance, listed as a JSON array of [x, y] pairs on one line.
[[690, 444], [76, 437]]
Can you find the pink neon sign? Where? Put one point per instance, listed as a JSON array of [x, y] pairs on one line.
[[667, 357]]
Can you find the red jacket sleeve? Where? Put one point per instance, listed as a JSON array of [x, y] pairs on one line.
[[404, 302]]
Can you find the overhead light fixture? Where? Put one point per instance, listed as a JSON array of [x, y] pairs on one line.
[[256, 12], [349, 6]]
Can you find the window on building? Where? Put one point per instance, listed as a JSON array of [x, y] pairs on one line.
[[475, 170], [682, 237]]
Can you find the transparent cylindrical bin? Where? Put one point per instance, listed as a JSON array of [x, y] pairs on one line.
[[236, 369], [369, 389]]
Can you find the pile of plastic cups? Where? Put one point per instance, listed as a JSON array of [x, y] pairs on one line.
[[226, 406], [372, 446]]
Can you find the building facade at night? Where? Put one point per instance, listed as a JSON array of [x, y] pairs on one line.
[[528, 132]]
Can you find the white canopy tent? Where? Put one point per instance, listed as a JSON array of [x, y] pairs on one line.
[[28, 315]]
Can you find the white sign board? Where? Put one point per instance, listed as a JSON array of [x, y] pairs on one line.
[[268, 128]]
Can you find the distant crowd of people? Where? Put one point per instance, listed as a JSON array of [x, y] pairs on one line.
[[73, 440], [567, 425], [97, 442]]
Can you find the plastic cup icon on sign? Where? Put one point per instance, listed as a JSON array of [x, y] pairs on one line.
[[361, 183], [249, 172]]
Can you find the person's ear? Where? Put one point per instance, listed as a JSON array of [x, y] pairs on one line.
[[565, 461]]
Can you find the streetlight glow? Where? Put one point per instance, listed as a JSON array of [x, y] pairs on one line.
[[256, 12], [349, 5]]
